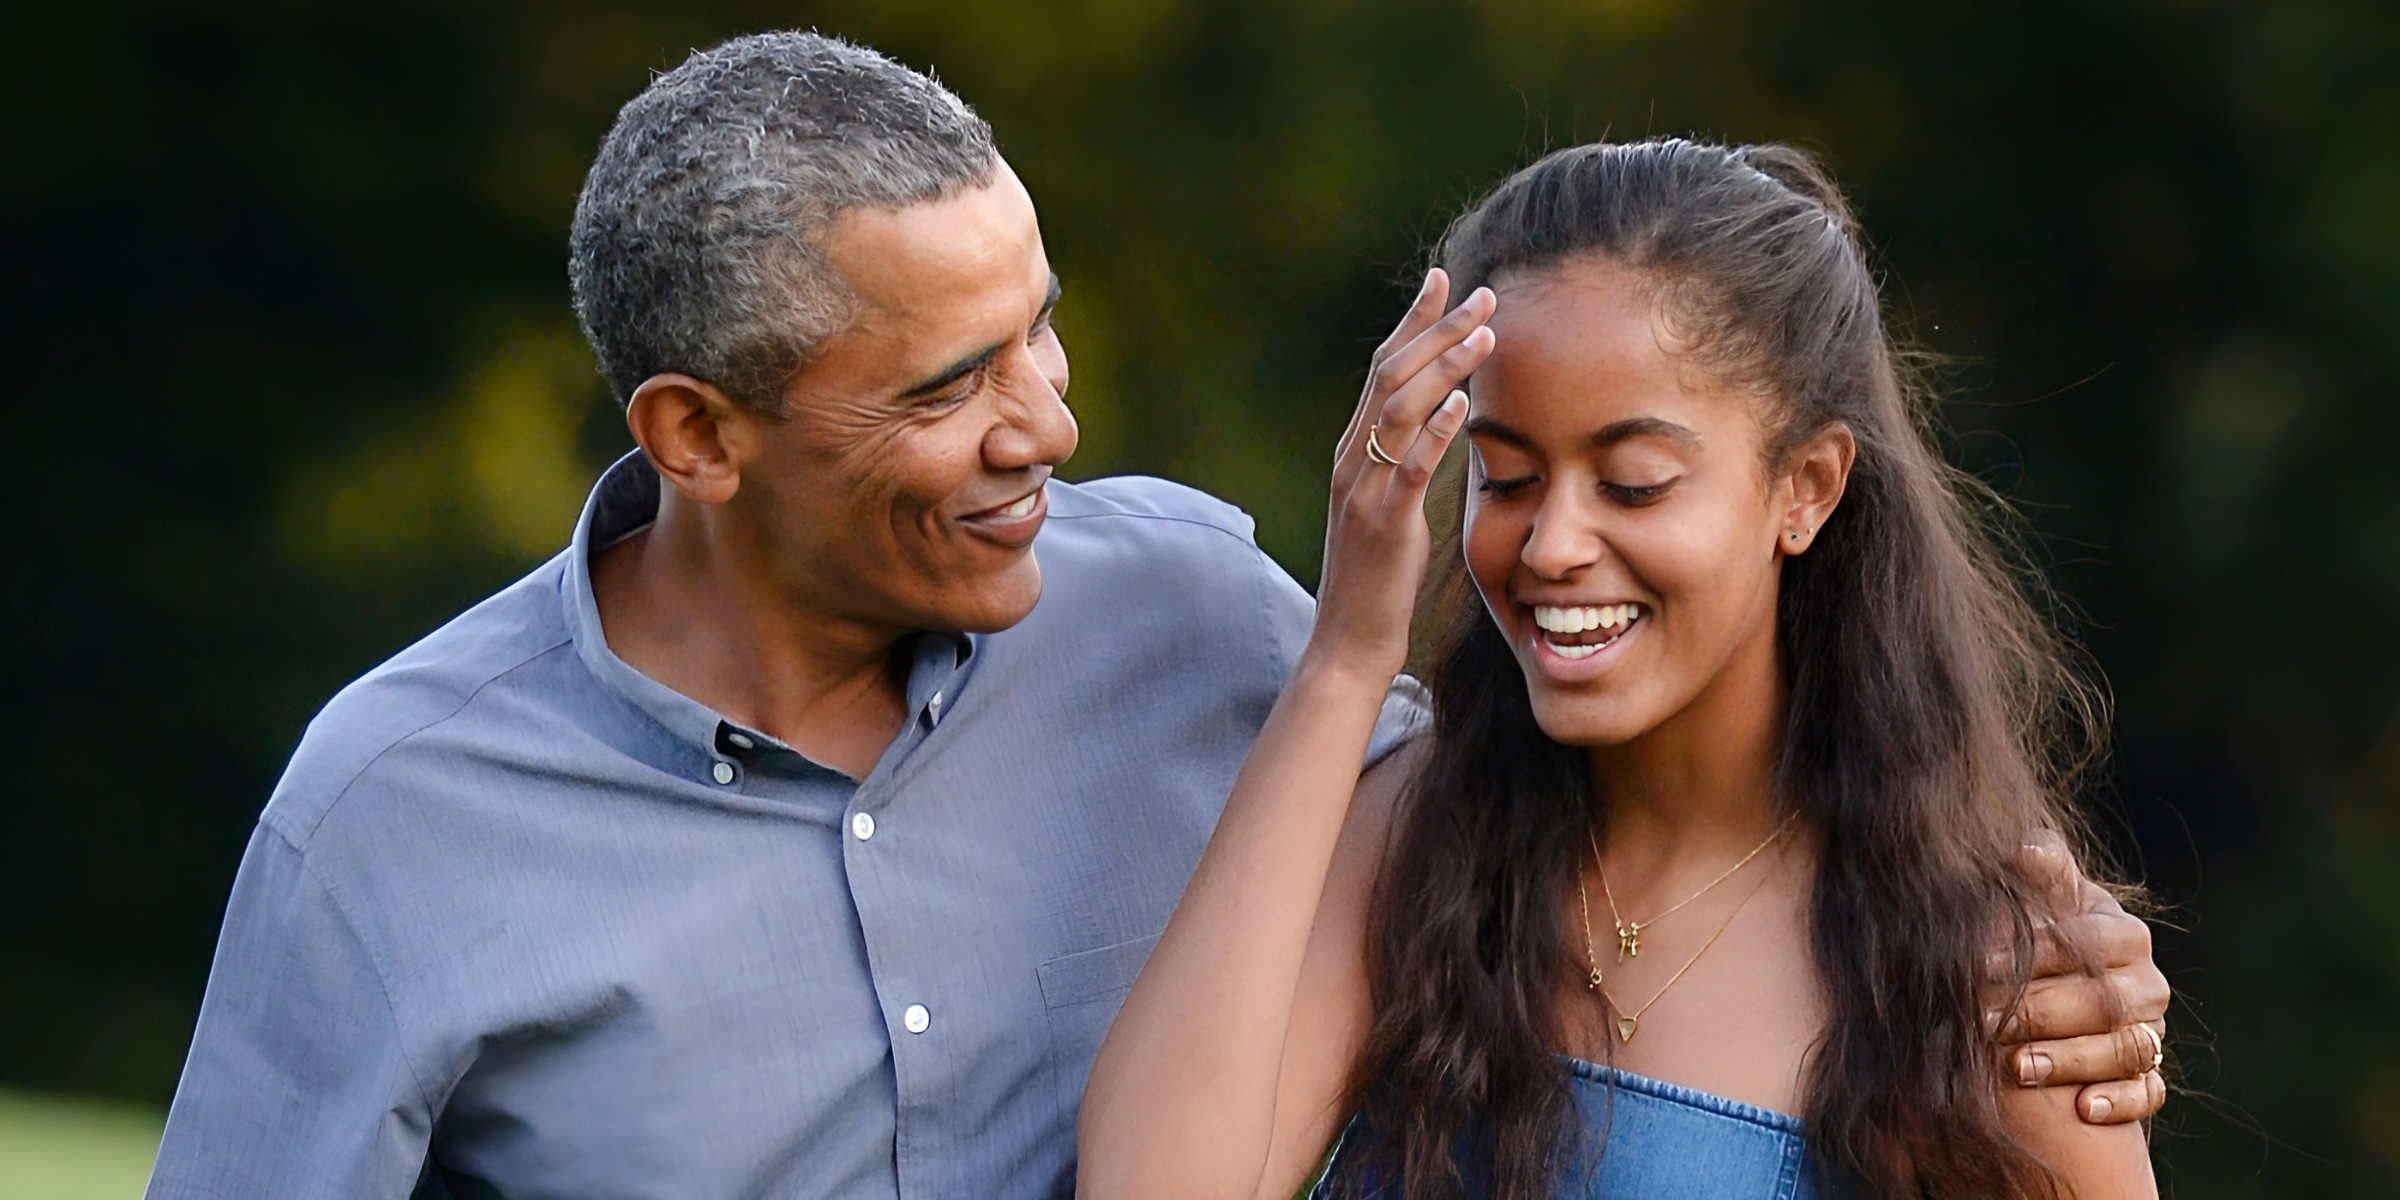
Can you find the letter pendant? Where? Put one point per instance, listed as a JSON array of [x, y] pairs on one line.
[[1629, 941], [1625, 1028]]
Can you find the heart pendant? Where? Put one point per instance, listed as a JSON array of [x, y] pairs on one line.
[[1625, 1028]]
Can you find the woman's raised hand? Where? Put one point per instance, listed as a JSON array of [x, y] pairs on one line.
[[1376, 539]]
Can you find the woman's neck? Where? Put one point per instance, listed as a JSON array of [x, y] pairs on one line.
[[1699, 788]]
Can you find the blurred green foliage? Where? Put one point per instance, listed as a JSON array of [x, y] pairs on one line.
[[55, 1148], [296, 380]]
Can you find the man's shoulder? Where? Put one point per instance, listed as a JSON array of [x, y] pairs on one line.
[[1146, 498], [1133, 538], [425, 685]]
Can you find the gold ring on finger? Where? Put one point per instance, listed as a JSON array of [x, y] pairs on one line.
[[1376, 452], [2158, 1046]]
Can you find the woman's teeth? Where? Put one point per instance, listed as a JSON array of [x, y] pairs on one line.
[[1022, 508], [1611, 620]]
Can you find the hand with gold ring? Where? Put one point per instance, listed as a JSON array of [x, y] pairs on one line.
[[1409, 413], [2098, 1031]]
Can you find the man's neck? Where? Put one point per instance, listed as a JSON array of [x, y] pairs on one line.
[[691, 603]]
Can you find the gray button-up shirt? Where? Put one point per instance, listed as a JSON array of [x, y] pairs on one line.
[[589, 939]]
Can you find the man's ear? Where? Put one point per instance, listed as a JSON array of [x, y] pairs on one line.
[[1819, 471], [694, 434]]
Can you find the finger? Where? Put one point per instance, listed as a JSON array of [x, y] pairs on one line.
[[2123, 1054], [1407, 410], [2122, 1101], [2065, 1006], [2110, 939], [1422, 314], [2050, 871], [1424, 455], [1397, 370]]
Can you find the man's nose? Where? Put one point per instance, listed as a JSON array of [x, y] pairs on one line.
[[1035, 426], [1563, 541]]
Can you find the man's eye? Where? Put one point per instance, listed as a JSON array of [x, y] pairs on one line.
[[1637, 496], [957, 393]]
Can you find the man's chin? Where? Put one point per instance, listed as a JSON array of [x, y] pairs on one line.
[[999, 603]]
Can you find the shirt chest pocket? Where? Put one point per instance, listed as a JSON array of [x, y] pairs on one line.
[[1081, 993]]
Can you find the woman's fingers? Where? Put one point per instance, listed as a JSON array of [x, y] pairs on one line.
[[1405, 411], [1424, 455], [1422, 314], [1392, 375]]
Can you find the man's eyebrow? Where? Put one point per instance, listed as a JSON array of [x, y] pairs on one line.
[[1602, 438], [978, 360], [1050, 301], [952, 374]]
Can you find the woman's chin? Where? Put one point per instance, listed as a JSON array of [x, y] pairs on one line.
[[1584, 720]]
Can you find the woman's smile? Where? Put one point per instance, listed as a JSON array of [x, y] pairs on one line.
[[1571, 642]]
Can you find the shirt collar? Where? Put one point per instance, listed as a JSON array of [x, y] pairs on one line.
[[625, 502]]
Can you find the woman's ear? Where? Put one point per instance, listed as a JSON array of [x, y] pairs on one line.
[[1818, 470], [693, 433]]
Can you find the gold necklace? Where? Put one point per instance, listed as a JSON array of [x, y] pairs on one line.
[[1629, 933], [1629, 1023]]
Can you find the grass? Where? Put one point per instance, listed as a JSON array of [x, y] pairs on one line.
[[61, 1148]]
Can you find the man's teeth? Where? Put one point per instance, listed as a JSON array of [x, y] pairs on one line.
[[1578, 620], [1022, 508]]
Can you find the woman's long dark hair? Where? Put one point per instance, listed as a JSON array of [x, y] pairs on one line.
[[1935, 720]]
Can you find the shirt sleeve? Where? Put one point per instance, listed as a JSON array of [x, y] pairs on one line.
[[297, 1083], [1291, 611]]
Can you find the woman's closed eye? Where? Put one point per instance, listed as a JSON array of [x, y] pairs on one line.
[[1638, 495], [1508, 486]]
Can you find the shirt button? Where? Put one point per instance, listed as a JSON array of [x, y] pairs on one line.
[[741, 741], [915, 1018], [863, 826], [723, 772]]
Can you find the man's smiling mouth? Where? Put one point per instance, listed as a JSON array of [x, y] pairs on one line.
[[1011, 524], [1574, 633]]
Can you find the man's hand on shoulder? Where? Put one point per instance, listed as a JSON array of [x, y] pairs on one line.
[[2105, 1032]]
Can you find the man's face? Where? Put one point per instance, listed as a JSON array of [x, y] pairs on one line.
[[907, 483]]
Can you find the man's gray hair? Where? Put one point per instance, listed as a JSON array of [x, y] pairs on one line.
[[699, 240]]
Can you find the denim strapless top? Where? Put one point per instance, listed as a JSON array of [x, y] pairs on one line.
[[1662, 1141]]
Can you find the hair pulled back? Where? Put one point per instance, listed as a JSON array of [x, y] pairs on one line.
[[1935, 720]]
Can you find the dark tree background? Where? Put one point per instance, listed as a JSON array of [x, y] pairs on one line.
[[294, 379]]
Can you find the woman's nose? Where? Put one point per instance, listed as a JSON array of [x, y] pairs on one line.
[[1562, 542]]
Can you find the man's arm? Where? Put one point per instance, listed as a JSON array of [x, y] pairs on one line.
[[297, 1083]]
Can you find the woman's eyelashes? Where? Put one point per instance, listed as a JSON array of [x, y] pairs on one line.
[[1637, 495], [1628, 495]]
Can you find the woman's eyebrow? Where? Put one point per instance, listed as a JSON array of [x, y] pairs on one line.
[[1636, 427], [1599, 439]]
